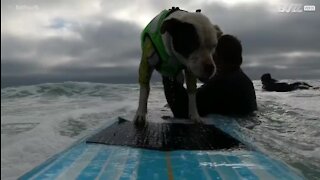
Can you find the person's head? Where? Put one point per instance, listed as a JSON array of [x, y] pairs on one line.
[[266, 78], [228, 52]]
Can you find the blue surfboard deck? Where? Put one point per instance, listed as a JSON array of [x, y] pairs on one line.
[[99, 161]]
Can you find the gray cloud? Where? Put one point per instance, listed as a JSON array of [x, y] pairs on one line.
[[266, 35], [101, 48], [11, 67], [113, 42], [81, 74], [264, 31]]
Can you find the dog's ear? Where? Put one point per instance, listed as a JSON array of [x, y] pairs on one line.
[[218, 29], [176, 27]]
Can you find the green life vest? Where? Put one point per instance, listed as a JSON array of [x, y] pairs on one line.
[[167, 65]]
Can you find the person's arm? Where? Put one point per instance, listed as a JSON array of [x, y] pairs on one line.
[[209, 97]]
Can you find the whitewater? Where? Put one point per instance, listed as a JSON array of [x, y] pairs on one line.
[[39, 121]]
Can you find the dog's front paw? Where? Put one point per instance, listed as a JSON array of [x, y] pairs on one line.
[[140, 119], [196, 118]]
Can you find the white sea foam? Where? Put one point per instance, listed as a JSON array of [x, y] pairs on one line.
[[40, 121]]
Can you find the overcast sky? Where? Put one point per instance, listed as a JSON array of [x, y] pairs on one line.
[[99, 41]]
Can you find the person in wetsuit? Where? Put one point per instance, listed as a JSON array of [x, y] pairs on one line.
[[270, 84], [229, 92]]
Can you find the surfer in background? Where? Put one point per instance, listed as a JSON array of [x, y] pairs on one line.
[[270, 84], [229, 92]]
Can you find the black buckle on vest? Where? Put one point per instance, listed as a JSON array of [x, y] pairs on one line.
[[174, 8]]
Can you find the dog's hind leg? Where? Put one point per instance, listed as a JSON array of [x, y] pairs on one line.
[[145, 72]]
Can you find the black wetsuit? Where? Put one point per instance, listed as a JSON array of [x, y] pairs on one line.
[[229, 94], [284, 87]]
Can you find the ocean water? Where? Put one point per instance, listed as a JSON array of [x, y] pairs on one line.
[[41, 120]]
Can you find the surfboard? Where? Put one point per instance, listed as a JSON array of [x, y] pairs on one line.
[[175, 150]]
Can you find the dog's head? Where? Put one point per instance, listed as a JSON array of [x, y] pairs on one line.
[[192, 40]]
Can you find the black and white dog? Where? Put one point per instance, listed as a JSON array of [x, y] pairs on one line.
[[174, 41]]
